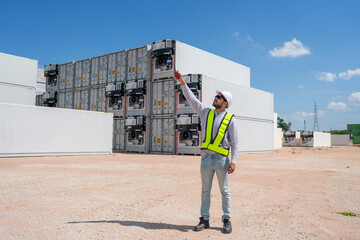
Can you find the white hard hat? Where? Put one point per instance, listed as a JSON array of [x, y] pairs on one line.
[[227, 95]]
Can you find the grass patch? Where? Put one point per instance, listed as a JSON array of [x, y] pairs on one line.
[[351, 214], [347, 166]]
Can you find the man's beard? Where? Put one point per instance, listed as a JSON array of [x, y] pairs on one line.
[[216, 105]]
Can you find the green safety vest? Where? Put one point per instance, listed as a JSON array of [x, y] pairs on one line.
[[213, 145]]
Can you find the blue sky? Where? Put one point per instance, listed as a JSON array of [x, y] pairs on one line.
[[302, 51]]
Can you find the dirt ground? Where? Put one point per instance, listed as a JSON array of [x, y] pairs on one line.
[[293, 193]]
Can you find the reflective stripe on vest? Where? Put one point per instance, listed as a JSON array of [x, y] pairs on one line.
[[214, 146]]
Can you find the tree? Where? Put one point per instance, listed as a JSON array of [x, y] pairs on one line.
[[282, 124], [335, 132]]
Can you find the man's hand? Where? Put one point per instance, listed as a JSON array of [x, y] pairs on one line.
[[179, 77], [231, 168]]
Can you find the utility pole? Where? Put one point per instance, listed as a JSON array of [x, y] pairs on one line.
[[316, 119]]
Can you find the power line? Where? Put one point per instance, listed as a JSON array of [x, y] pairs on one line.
[[316, 119]]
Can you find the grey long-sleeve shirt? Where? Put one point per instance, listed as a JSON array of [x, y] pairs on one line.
[[231, 135]]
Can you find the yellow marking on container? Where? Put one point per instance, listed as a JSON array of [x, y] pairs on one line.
[[139, 69], [118, 72], [79, 78], [82, 108], [165, 141], [94, 106], [96, 75], [63, 80], [159, 103], [133, 69], [100, 75], [113, 72], [67, 80], [83, 78], [78, 108], [166, 104], [159, 140]]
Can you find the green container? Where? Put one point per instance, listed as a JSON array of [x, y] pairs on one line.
[[353, 129], [356, 132], [356, 140]]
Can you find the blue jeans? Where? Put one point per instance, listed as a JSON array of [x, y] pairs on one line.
[[210, 164]]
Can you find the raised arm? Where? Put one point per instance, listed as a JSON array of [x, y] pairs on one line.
[[189, 95]]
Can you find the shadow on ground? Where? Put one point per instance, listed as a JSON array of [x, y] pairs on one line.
[[147, 225]]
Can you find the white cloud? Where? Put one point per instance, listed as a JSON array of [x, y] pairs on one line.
[[300, 116], [354, 99], [338, 106], [252, 43], [336, 98], [301, 86], [236, 35], [326, 76], [349, 74], [291, 49]]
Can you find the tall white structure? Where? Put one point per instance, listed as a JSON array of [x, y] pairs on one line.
[[17, 79]]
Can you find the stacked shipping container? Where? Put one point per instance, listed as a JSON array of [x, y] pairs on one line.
[[150, 112]]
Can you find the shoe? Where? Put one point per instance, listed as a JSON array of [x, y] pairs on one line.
[[227, 226], [203, 224]]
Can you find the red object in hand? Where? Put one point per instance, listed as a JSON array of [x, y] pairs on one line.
[[177, 74]]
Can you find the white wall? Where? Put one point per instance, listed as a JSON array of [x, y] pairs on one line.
[[190, 59], [340, 140], [247, 102], [17, 79], [253, 110], [37, 131], [17, 94], [322, 139], [255, 136]]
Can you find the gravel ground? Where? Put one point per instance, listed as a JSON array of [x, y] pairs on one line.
[[293, 193]]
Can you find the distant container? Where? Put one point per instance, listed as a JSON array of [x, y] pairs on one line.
[[119, 134], [340, 140], [117, 67], [97, 99], [81, 99], [163, 135], [39, 100], [188, 134], [67, 76], [315, 139], [40, 131], [82, 73], [136, 135], [163, 97], [289, 139], [354, 131], [66, 99], [18, 77], [139, 63]]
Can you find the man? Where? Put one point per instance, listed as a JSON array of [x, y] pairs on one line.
[[219, 133]]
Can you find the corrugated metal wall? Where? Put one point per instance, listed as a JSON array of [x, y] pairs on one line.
[[37, 131]]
